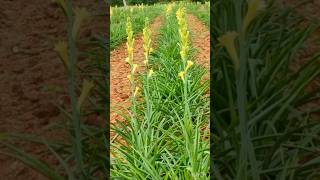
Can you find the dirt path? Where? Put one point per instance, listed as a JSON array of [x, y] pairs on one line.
[[200, 37], [119, 84], [32, 78]]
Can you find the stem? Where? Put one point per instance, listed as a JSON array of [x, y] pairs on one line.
[[76, 121]]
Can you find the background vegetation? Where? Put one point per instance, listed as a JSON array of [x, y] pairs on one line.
[[132, 2], [263, 124]]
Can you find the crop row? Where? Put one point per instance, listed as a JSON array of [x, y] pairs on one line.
[[166, 131], [201, 11], [137, 13]]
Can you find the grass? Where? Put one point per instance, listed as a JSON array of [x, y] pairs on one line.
[[262, 126], [202, 12], [137, 13], [163, 140]]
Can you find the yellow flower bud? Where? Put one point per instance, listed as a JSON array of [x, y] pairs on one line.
[[129, 77], [150, 73], [189, 64], [136, 91], [134, 68], [181, 75], [183, 55]]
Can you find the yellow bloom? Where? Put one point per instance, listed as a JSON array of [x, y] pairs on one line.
[[150, 73], [130, 50], [136, 91], [189, 64], [183, 55], [168, 9], [129, 77], [181, 75]]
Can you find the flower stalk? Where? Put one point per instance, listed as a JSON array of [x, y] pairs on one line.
[[190, 136], [133, 68]]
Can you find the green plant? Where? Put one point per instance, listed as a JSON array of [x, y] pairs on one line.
[[202, 12], [262, 128], [169, 137], [137, 14]]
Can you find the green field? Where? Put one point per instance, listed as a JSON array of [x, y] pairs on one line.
[[166, 132]]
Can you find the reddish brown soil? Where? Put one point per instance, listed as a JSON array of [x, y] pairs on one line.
[[32, 78], [119, 84], [200, 37], [310, 11]]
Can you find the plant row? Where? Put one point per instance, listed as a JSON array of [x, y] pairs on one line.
[[137, 14], [166, 133]]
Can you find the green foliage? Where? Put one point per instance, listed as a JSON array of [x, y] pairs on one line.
[[263, 127], [157, 145], [202, 12], [119, 17]]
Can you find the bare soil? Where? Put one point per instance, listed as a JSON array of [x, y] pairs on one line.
[[32, 77], [200, 37]]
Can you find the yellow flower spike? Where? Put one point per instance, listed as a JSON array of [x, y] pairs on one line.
[[151, 72], [134, 68], [168, 10], [146, 41], [81, 15], [181, 75], [254, 6], [189, 64], [183, 55], [136, 91], [130, 50], [227, 41]]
